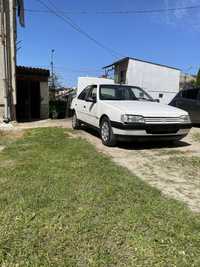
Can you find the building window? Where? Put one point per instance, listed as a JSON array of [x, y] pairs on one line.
[[122, 78]]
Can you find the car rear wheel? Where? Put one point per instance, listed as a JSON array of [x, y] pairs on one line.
[[107, 136], [76, 124]]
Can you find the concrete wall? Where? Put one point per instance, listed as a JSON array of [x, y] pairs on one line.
[[8, 55], [1, 76], [13, 38], [156, 80], [44, 106]]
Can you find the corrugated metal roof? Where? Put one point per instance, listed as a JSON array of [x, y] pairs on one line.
[[32, 71], [149, 62]]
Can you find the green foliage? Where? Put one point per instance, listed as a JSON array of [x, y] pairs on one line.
[[57, 109], [64, 204]]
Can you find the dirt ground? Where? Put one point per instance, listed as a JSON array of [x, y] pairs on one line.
[[173, 169]]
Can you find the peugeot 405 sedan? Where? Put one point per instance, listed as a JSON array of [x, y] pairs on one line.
[[127, 111], [189, 100]]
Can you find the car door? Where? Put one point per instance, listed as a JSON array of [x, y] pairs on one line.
[[91, 106], [80, 105], [189, 101]]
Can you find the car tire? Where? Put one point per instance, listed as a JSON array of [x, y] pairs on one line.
[[76, 124], [106, 132]]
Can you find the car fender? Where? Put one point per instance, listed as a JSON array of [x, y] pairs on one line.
[[113, 113]]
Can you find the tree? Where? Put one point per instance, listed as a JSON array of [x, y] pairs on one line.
[[198, 79]]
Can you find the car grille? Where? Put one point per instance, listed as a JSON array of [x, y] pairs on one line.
[[162, 129], [162, 120]]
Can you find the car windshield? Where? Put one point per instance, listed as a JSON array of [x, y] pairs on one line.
[[123, 92]]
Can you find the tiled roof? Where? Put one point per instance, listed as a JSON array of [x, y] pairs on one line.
[[32, 71]]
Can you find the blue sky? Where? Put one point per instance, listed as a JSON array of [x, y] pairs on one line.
[[170, 38]]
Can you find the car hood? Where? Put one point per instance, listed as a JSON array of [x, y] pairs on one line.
[[146, 109]]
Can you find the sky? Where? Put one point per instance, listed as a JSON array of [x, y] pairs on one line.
[[171, 37]]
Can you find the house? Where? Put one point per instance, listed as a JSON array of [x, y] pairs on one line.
[[32, 93], [187, 80], [160, 81]]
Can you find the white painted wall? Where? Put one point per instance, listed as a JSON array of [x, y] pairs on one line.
[[154, 79]]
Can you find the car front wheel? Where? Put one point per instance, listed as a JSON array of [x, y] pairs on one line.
[[107, 136], [76, 124]]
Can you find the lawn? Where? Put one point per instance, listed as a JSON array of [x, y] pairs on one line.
[[64, 204], [6, 138]]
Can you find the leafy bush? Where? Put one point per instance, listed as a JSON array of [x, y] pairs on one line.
[[57, 109]]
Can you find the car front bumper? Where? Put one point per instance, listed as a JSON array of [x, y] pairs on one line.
[[149, 130]]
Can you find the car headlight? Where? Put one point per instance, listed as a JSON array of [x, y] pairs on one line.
[[185, 119], [126, 118]]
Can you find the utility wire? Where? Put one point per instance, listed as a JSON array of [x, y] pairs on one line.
[[64, 68], [78, 70], [119, 12], [69, 21]]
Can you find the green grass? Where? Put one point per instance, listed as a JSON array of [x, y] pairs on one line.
[[7, 138], [64, 204]]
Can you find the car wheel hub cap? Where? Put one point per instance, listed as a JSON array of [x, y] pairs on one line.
[[105, 132]]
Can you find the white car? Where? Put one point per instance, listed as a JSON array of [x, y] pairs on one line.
[[121, 110]]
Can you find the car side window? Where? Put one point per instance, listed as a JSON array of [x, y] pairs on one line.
[[107, 93], [84, 93], [190, 94], [93, 92]]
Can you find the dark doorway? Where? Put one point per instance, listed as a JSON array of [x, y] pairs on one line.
[[28, 100]]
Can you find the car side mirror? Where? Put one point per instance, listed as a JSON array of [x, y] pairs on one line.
[[91, 99]]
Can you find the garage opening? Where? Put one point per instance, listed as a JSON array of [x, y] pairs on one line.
[[28, 100], [32, 94]]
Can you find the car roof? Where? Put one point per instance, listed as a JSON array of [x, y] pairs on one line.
[[119, 84]]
